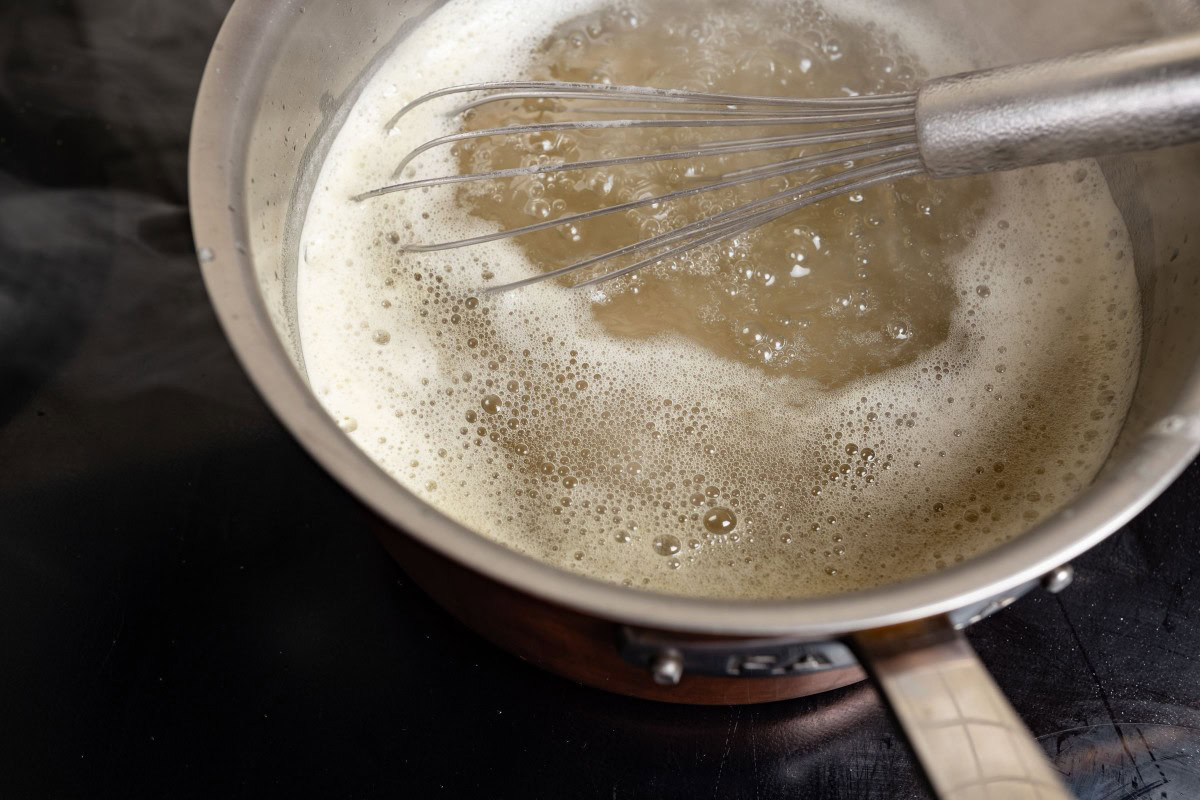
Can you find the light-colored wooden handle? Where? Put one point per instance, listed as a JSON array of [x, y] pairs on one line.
[[969, 740]]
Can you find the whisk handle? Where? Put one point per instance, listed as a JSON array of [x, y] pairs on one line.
[[1120, 99]]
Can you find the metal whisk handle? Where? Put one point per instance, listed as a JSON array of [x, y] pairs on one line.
[[1114, 100]]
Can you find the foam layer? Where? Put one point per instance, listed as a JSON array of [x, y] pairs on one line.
[[654, 462]]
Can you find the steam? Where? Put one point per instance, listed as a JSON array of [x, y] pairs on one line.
[[101, 302]]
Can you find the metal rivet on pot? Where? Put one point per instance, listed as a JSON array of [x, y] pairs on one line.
[[667, 668], [1056, 580]]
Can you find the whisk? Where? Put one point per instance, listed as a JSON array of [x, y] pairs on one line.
[[1122, 99]]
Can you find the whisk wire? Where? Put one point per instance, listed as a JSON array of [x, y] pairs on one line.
[[512, 90], [720, 224], [757, 144], [731, 179], [756, 220], [625, 124], [873, 113], [739, 101]]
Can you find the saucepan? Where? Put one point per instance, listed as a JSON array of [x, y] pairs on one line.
[[281, 79]]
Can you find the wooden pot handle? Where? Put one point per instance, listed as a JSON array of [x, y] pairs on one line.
[[969, 740]]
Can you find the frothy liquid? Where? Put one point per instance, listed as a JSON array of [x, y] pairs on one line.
[[860, 392]]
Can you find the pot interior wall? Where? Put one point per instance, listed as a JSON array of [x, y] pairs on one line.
[[312, 60]]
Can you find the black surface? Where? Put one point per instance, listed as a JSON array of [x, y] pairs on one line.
[[190, 607]]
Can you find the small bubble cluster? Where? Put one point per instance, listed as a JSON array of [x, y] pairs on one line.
[[884, 387]]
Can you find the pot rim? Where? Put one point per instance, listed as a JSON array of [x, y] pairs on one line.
[[221, 124]]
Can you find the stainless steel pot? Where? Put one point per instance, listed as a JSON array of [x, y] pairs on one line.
[[280, 80]]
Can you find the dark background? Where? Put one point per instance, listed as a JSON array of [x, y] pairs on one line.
[[190, 607]]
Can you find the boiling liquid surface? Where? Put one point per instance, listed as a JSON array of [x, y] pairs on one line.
[[863, 391]]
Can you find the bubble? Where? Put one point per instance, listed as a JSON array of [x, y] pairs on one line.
[[382, 337], [666, 545], [719, 520], [491, 404]]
